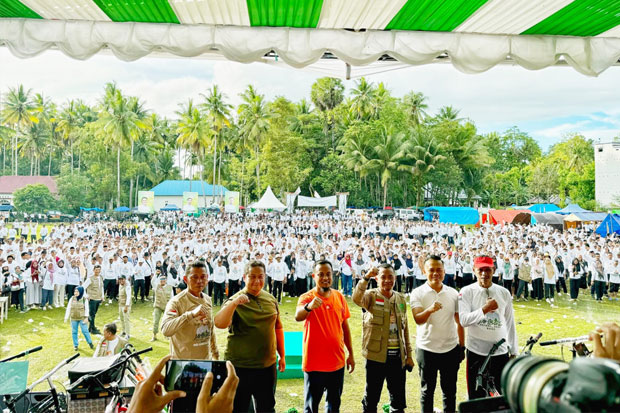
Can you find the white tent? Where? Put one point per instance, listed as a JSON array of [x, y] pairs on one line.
[[268, 201]]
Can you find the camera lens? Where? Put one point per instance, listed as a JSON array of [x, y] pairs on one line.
[[524, 380]]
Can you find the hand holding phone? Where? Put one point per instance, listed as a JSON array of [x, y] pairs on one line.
[[188, 376]]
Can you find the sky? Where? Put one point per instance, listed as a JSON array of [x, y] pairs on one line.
[[547, 104]]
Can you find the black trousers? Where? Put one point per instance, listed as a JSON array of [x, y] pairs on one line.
[[495, 367], [233, 287], [301, 286], [549, 290], [468, 278], [508, 285], [561, 285], [447, 365], [93, 307], [409, 284], [395, 375], [537, 289], [218, 293], [147, 285], [574, 288], [138, 285], [259, 384], [109, 288], [318, 382], [277, 290], [69, 289], [599, 289]]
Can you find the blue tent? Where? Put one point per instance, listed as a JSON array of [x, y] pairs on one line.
[[453, 215], [6, 207], [610, 225], [170, 207], [122, 209], [542, 208], [571, 209], [91, 209]]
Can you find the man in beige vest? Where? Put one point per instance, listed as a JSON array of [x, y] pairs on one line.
[[94, 290], [124, 304], [163, 293], [385, 338], [188, 319]]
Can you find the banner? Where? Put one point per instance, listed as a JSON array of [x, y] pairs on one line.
[[290, 202], [231, 202], [146, 200], [342, 202], [190, 202], [306, 201]]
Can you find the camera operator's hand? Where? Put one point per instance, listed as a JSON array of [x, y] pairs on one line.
[[222, 401], [149, 394], [611, 335]]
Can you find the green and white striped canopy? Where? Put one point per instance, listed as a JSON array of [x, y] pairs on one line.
[[474, 35]]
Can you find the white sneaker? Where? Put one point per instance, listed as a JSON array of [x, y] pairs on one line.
[[548, 301]]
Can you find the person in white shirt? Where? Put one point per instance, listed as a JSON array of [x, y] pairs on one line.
[[110, 278], [486, 312], [74, 278], [440, 337], [47, 294], [279, 271], [60, 283], [139, 273], [614, 280], [450, 268], [235, 275], [220, 275], [124, 304]]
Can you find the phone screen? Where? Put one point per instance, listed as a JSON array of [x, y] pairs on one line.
[[188, 375]]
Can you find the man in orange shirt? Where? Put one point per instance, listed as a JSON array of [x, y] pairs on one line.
[[326, 333]]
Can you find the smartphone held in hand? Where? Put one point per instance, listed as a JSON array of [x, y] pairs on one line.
[[188, 375]]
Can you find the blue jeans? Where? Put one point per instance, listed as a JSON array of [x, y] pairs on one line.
[[74, 332], [347, 284], [47, 297]]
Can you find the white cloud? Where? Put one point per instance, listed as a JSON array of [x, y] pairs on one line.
[[559, 130]]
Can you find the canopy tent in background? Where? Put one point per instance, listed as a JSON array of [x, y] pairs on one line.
[[610, 225], [548, 218], [474, 35], [170, 207], [95, 209], [268, 201], [523, 218], [501, 216], [6, 208], [453, 215], [576, 219], [122, 209], [570, 209], [326, 201], [542, 208]]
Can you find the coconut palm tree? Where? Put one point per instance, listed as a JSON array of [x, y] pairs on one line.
[[363, 99], [18, 112], [218, 112], [387, 155], [194, 134], [422, 156], [415, 107], [254, 124], [119, 124]]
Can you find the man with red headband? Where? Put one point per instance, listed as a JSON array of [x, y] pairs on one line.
[[485, 310]]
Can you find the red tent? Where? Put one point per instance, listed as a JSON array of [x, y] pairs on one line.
[[504, 216]]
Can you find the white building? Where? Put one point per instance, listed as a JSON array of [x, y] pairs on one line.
[[607, 173]]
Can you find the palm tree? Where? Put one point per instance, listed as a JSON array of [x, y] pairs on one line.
[[364, 100], [194, 133], [254, 124], [119, 125], [388, 152], [448, 113], [416, 106], [19, 112], [422, 155], [219, 112]]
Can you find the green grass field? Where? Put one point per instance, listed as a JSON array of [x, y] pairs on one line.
[[18, 333]]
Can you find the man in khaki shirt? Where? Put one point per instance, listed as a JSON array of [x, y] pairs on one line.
[[188, 320]]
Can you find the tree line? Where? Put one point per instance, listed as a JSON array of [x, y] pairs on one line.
[[382, 149]]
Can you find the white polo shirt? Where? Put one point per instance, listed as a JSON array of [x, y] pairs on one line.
[[439, 333]]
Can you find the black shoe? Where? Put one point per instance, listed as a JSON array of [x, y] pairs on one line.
[[75, 348], [96, 331], [91, 346]]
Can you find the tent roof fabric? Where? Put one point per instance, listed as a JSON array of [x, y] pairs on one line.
[[268, 201], [177, 187], [542, 208], [571, 208], [610, 225], [474, 35], [454, 215], [586, 216], [502, 216], [549, 218]]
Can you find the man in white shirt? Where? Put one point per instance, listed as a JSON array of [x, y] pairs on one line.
[[485, 310], [110, 278], [234, 275], [279, 271], [220, 275], [440, 337]]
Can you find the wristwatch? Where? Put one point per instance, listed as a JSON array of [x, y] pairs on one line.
[[307, 309]]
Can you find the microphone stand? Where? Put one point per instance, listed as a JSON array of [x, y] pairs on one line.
[[527, 349]]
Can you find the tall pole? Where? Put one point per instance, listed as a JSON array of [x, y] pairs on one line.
[[214, 157]]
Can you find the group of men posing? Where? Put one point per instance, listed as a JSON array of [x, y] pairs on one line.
[[452, 326]]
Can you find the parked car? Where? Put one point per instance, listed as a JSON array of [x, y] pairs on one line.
[[408, 214], [57, 216], [383, 213]]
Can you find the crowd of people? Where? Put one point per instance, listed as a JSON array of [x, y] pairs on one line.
[[185, 266]]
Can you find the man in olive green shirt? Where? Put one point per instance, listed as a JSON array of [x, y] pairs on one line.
[[255, 334]]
